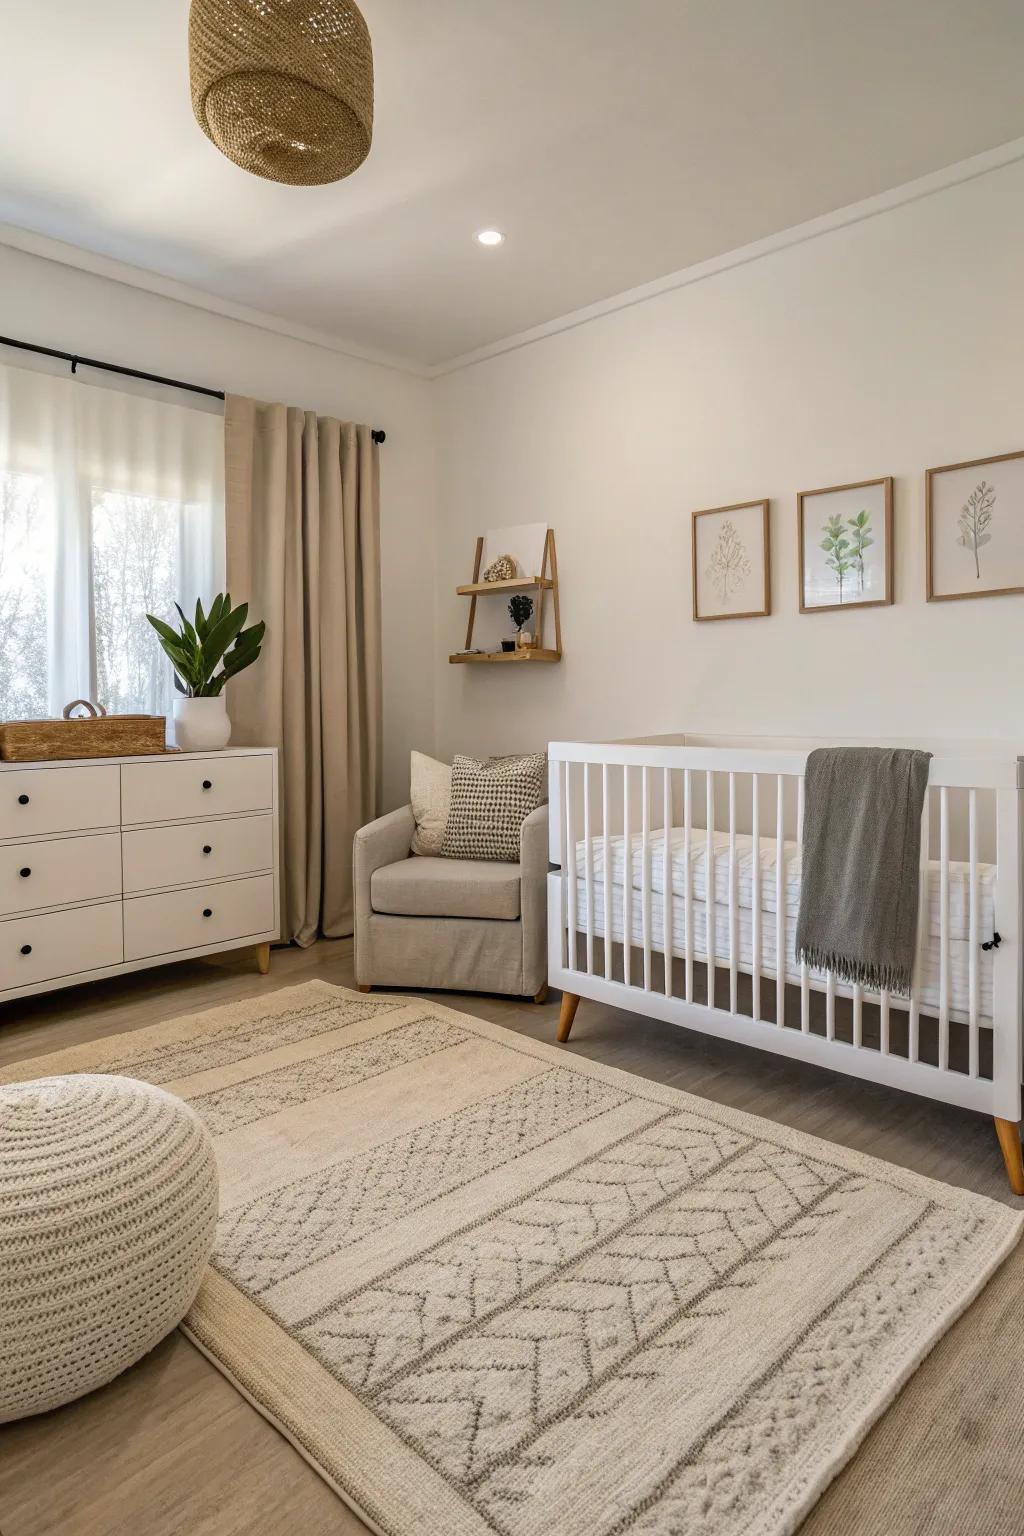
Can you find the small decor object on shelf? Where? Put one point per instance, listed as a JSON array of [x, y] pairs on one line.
[[731, 562], [846, 543], [520, 610], [975, 528], [196, 650], [284, 88], [502, 569]]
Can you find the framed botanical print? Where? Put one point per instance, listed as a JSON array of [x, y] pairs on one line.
[[846, 546], [732, 562], [974, 528]]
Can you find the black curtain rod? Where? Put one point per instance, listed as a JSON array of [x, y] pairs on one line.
[[378, 434]]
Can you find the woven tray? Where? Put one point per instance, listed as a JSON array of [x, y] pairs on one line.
[[92, 735]]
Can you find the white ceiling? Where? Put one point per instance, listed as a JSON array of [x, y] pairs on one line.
[[613, 142]]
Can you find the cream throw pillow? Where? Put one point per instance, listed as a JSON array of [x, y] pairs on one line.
[[430, 793]]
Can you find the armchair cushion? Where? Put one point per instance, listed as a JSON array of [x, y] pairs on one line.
[[427, 887]]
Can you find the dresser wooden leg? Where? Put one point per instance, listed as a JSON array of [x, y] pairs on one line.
[[570, 1002], [263, 958], [364, 988], [1008, 1132]]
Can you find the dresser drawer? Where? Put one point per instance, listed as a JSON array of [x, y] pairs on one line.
[[34, 949], [200, 786], [38, 800], [205, 850], [211, 914], [58, 872]]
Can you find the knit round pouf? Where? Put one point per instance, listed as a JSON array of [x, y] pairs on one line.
[[108, 1207]]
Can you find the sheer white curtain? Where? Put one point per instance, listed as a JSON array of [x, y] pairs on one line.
[[111, 507]]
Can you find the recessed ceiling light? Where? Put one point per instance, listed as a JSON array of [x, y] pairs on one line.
[[490, 237]]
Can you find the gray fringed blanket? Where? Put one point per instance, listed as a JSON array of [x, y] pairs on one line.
[[860, 876]]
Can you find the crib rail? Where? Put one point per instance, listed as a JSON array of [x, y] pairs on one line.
[[676, 893]]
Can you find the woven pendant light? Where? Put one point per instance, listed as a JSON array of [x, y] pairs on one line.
[[284, 88]]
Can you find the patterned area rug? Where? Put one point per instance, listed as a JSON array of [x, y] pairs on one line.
[[490, 1289]]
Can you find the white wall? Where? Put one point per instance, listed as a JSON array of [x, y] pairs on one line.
[[55, 305], [881, 348]]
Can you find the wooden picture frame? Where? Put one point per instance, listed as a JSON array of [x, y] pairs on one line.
[[882, 578], [931, 538], [755, 584]]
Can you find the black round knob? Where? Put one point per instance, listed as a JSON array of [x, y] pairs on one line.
[[26, 949], [207, 848], [24, 873], [207, 911], [207, 783], [23, 799]]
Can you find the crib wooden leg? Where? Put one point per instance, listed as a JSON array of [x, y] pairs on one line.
[[1008, 1132], [570, 1002]]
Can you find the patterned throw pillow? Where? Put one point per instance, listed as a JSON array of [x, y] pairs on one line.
[[490, 802]]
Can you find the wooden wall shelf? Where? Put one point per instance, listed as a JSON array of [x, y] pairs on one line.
[[546, 582], [515, 584], [515, 657]]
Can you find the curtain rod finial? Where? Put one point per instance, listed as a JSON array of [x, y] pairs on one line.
[[379, 435]]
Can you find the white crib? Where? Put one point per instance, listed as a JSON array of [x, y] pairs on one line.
[[689, 926]]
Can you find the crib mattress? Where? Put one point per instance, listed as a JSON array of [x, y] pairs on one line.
[[747, 881]]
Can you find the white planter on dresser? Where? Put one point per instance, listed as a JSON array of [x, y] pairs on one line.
[[114, 864]]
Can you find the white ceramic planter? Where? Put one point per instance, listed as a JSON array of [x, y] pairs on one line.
[[201, 725]]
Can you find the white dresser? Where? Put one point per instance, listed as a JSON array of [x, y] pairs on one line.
[[112, 864]]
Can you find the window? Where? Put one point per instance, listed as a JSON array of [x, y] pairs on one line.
[[111, 507], [24, 630]]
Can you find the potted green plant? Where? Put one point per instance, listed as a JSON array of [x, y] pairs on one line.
[[520, 609], [196, 650]]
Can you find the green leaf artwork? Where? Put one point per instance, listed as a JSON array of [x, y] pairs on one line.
[[860, 540], [975, 516], [838, 549]]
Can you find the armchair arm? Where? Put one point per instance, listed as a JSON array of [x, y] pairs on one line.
[[380, 842], [533, 897], [533, 845]]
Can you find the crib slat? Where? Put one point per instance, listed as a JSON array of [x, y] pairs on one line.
[[858, 1013], [972, 958], [780, 902], [666, 877], [830, 1005], [756, 955], [570, 861], [884, 1020], [733, 955], [688, 881], [645, 872], [588, 867], [627, 880], [709, 884], [563, 863], [805, 986], [922, 939], [943, 929], [607, 883]]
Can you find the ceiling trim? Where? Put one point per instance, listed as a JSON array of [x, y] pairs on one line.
[[854, 213], [170, 288], [182, 293]]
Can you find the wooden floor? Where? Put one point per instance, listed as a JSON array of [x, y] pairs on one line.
[[170, 1449]]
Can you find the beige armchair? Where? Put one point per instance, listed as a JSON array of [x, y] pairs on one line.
[[466, 925]]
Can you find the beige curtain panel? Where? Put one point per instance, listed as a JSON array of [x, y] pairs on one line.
[[302, 499]]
